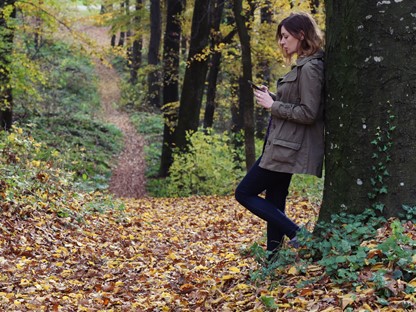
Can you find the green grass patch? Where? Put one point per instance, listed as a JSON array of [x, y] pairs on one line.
[[87, 147]]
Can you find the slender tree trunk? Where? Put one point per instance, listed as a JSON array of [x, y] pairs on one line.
[[195, 74], [153, 79], [6, 50], [214, 64], [37, 38], [262, 115], [122, 37], [171, 46], [314, 6], [370, 107], [107, 7], [136, 50], [246, 93]]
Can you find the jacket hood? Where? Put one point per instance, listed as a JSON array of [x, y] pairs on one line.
[[302, 61]]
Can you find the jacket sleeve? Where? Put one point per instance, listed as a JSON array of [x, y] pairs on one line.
[[310, 89]]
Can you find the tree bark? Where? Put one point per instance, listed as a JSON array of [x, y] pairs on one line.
[[262, 115], [153, 79], [246, 93], [6, 50], [171, 46], [195, 74], [136, 49], [214, 64], [314, 6], [370, 107], [122, 37]]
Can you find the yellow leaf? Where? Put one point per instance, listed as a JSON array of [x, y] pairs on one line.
[[284, 305], [293, 270], [230, 256], [367, 307], [227, 277], [347, 300], [242, 286], [173, 256], [234, 270]]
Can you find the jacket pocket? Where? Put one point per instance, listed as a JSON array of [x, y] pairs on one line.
[[285, 151]]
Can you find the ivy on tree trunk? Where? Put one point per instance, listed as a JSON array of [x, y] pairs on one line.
[[370, 107]]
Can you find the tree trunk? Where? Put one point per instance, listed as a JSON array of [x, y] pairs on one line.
[[195, 74], [6, 50], [153, 79], [314, 5], [171, 46], [370, 107], [214, 68], [122, 37], [214, 65], [246, 93], [262, 115], [215, 62], [136, 50]]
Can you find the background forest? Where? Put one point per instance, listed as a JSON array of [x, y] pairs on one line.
[[175, 88], [177, 240]]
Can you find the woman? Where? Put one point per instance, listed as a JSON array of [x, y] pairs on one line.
[[294, 141]]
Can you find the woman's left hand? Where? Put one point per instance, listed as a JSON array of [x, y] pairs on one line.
[[263, 97]]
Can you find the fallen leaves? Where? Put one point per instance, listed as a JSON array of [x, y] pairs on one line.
[[160, 255]]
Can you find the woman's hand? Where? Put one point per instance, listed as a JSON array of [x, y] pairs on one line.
[[263, 97]]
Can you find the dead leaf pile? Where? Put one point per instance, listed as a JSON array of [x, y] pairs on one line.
[[160, 255]]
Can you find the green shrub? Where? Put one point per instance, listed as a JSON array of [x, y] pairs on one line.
[[207, 168]]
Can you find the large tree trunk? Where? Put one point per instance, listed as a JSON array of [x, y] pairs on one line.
[[246, 93], [171, 46], [195, 74], [6, 50], [370, 107], [153, 79]]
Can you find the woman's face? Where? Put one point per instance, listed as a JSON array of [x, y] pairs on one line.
[[289, 43]]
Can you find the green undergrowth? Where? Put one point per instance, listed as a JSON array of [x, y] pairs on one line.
[[33, 178], [64, 117], [87, 147], [211, 166], [364, 251]]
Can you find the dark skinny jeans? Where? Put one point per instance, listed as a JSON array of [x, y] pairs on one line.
[[272, 207]]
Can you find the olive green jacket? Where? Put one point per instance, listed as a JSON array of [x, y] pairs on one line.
[[295, 143]]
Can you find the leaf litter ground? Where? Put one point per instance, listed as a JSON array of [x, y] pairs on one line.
[[156, 255]]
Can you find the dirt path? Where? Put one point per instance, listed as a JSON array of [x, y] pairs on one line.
[[128, 177]]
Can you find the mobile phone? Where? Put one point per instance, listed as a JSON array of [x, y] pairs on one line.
[[254, 86]]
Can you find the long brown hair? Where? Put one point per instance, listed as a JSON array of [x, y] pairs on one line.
[[298, 25]]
